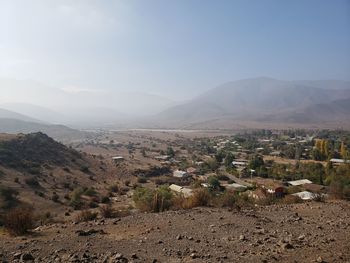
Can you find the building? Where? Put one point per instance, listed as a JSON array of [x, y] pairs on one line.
[[162, 157], [339, 161], [180, 174], [118, 159], [235, 186], [186, 192], [305, 195], [191, 170], [299, 182]]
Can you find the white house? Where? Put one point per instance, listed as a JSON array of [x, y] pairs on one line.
[[180, 174], [118, 159], [339, 161], [305, 195], [181, 190], [299, 182]]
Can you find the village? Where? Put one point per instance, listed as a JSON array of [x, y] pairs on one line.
[[263, 166]]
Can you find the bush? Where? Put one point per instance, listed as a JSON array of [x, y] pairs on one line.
[[291, 199], [153, 200], [107, 211], [90, 192], [75, 199], [114, 188], [201, 197], [85, 216], [142, 180], [55, 197], [228, 199], [19, 221], [7, 197], [105, 200], [33, 182], [85, 169]]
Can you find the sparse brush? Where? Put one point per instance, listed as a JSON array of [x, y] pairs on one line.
[[290, 199], [19, 221], [107, 211], [86, 215]]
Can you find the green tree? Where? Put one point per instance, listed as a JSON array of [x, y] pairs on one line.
[[214, 183], [229, 159]]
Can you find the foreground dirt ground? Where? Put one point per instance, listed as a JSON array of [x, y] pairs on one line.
[[308, 232]]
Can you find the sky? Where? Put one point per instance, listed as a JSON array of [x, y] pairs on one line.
[[175, 48]]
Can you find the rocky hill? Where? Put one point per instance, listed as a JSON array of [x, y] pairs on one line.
[[44, 172]]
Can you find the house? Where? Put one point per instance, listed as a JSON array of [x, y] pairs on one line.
[[191, 170], [235, 186], [299, 182], [186, 192], [239, 163], [271, 186], [305, 195], [180, 174], [162, 157], [275, 153], [258, 194], [339, 161], [117, 159]]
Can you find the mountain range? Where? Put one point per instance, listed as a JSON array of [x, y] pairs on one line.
[[256, 102], [265, 100]]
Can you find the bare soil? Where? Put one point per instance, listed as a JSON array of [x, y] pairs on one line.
[[306, 232]]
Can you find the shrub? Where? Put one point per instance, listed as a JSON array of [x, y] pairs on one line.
[[114, 188], [90, 192], [19, 221], [85, 169], [86, 215], [105, 200], [55, 197], [228, 199], [33, 182], [142, 180], [75, 199], [290, 199], [201, 197], [143, 198], [107, 211], [153, 200], [7, 197], [213, 182]]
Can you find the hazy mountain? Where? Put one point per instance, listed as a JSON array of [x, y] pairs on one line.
[[7, 114], [258, 99], [335, 111], [37, 112], [59, 132], [76, 105]]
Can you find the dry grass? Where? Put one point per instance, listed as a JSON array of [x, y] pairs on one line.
[[86, 215], [19, 221], [107, 211]]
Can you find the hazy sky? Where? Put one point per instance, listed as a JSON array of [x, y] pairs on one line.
[[175, 48]]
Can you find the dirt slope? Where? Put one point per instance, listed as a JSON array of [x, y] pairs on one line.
[[309, 232]]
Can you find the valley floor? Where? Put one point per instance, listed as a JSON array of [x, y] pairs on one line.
[[306, 232]]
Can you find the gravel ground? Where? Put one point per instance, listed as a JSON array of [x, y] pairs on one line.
[[308, 232]]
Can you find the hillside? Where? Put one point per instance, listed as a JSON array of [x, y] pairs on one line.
[[44, 172], [259, 99], [337, 111]]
